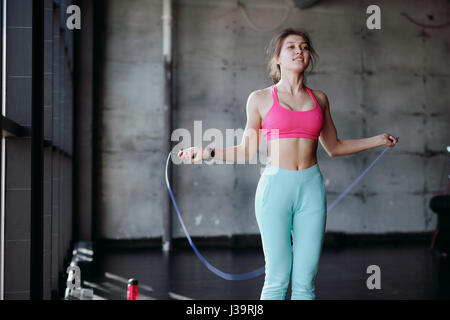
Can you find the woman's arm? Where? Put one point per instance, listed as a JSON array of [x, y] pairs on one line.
[[351, 146], [232, 154], [248, 147], [338, 147], [328, 135], [246, 150], [346, 147]]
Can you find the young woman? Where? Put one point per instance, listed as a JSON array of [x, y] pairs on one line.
[[290, 197]]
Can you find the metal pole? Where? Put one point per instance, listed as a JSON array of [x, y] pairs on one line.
[[167, 55], [2, 155]]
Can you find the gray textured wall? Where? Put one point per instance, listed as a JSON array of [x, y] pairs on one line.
[[390, 80]]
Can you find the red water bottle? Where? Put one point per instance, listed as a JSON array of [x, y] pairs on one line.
[[132, 289]]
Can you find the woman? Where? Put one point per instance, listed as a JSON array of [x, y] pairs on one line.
[[290, 196]]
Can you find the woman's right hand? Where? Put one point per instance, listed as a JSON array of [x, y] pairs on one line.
[[389, 140], [192, 154]]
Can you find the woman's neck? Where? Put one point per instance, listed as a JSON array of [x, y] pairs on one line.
[[292, 83]]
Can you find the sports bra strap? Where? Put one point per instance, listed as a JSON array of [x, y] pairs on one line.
[[312, 95], [274, 94]]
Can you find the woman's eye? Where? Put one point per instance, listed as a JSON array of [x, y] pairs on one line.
[[304, 48]]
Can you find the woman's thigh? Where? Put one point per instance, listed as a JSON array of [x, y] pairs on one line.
[[308, 226], [273, 209]]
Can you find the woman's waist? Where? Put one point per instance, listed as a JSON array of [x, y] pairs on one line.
[[293, 155], [292, 159], [307, 172], [291, 164], [293, 150]]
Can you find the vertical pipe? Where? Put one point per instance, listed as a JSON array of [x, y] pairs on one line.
[[2, 154], [167, 55], [82, 136], [100, 10], [4, 57]]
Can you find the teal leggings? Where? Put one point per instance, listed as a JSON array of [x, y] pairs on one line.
[[291, 201]]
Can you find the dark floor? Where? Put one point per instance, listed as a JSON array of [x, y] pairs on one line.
[[407, 272]]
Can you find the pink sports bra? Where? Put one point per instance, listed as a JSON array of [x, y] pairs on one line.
[[290, 123]]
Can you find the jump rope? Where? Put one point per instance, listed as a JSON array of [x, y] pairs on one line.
[[257, 272]]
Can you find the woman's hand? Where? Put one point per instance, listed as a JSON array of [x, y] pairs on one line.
[[388, 140], [194, 154]]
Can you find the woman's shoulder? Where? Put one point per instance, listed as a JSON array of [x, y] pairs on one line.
[[321, 97], [260, 100], [263, 91], [318, 93], [262, 94]]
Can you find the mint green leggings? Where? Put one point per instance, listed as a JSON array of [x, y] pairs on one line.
[[291, 201]]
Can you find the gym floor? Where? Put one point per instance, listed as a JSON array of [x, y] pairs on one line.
[[408, 272]]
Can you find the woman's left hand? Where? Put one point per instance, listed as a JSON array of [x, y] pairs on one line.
[[389, 140]]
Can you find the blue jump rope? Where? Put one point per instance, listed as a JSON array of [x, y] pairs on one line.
[[257, 272]]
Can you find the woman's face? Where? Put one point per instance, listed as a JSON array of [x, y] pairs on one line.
[[294, 54]]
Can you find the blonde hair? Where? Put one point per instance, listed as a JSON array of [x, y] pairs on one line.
[[274, 48]]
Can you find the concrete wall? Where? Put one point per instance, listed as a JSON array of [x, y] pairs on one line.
[[391, 80], [132, 187]]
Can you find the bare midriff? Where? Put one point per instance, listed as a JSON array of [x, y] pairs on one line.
[[292, 153]]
